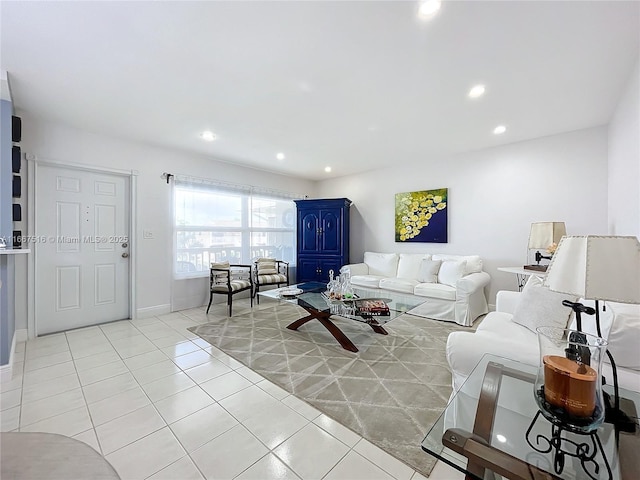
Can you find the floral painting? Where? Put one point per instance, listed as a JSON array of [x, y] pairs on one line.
[[422, 216]]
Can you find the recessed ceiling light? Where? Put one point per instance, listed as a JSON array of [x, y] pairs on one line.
[[428, 8], [327, 169], [280, 156], [499, 129], [208, 136], [476, 91], [501, 438]]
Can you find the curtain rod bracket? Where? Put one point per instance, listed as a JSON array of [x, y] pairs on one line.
[[167, 176]]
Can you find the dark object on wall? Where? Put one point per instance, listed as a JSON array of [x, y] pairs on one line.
[[15, 159], [16, 129], [323, 237], [17, 186], [17, 212], [17, 238]]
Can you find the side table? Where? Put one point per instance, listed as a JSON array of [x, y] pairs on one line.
[[522, 274], [487, 426]]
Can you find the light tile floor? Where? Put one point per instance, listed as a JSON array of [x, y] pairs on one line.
[[160, 403]]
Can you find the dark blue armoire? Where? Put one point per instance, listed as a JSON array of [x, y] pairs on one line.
[[323, 237]]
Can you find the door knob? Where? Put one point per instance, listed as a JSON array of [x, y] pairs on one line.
[[125, 255]]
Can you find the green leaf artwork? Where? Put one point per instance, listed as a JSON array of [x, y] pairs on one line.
[[422, 216]]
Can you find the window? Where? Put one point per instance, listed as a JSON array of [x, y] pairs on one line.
[[217, 223]]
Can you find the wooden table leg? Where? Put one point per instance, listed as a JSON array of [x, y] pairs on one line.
[[323, 318], [378, 328]]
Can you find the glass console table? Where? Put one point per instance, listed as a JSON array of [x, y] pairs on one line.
[[486, 430]]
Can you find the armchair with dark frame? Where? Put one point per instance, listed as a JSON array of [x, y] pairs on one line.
[[229, 279], [269, 271]]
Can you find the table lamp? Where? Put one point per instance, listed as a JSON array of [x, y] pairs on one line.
[[599, 268], [542, 236]]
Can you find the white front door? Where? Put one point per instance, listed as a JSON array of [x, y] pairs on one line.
[[81, 248]]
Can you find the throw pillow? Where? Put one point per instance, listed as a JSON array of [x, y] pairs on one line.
[[220, 265], [451, 271], [540, 307], [267, 266], [428, 272]]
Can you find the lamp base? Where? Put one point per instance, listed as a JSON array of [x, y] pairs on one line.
[[537, 268], [622, 421]]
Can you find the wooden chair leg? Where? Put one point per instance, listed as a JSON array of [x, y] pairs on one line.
[[210, 299], [257, 296], [230, 301]]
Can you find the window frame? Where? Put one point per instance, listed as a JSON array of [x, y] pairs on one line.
[[248, 253]]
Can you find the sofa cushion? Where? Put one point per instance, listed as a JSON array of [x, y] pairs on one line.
[[539, 306], [474, 262], [428, 272], [381, 264], [369, 281], [435, 290], [451, 271], [624, 335], [405, 285], [501, 325]]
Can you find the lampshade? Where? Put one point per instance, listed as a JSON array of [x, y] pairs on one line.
[[544, 234], [597, 268]]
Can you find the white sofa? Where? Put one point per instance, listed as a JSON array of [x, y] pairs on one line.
[[455, 292], [497, 334]]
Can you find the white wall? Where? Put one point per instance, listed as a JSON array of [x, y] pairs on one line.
[[624, 161], [494, 196], [154, 282]]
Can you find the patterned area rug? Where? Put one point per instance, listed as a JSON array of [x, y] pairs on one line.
[[390, 392]]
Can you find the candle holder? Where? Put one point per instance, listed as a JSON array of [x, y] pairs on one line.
[[568, 391]]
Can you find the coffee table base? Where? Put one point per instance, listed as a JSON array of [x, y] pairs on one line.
[[333, 329]]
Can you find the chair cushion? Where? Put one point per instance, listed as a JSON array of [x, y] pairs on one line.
[[277, 278], [435, 290], [235, 285], [405, 285]]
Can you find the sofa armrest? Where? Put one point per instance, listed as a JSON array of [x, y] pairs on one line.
[[356, 269], [506, 301], [471, 283]]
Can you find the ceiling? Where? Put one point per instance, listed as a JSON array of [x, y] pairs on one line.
[[353, 85]]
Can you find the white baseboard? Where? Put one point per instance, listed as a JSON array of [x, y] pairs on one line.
[[147, 312], [6, 371], [22, 335]]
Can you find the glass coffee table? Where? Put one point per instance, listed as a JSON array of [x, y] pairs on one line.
[[314, 300], [489, 429]]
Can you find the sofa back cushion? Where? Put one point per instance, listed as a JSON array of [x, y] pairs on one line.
[[382, 264], [620, 325], [474, 262], [409, 264]]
